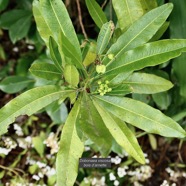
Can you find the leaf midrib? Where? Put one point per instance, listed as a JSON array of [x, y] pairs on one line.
[[136, 114], [135, 37], [74, 56], [70, 149], [119, 129], [107, 31], [36, 100], [22, 82], [141, 83], [146, 57], [96, 12], [45, 71]]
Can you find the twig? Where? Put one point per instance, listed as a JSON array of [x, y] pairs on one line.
[[104, 3], [80, 19], [111, 16], [67, 3], [10, 169]]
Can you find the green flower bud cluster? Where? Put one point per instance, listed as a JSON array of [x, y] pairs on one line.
[[100, 69], [111, 56], [103, 88]]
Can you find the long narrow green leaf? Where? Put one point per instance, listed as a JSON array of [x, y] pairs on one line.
[[8, 18], [45, 70], [178, 30], [162, 100], [127, 11], [150, 54], [141, 115], [29, 103], [20, 28], [42, 26], [71, 75], [96, 12], [92, 125], [148, 5], [13, 84], [69, 51], [120, 90], [122, 134], [89, 54], [57, 19], [143, 83], [104, 36], [140, 32], [71, 149], [55, 54]]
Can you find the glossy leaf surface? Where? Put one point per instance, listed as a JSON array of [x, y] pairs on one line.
[[90, 54], [55, 54], [29, 103], [140, 32], [149, 54], [127, 11], [92, 125], [69, 51], [141, 116], [56, 20], [178, 30], [45, 70], [143, 83], [71, 75], [71, 149], [20, 28], [96, 12], [44, 30], [104, 36], [122, 134], [13, 84]]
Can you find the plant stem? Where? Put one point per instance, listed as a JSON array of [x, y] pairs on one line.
[[80, 19]]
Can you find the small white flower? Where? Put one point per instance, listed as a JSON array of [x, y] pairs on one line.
[[102, 180], [40, 164], [112, 177], [18, 129], [121, 172], [86, 180], [51, 142], [4, 151], [184, 174], [9, 143], [36, 177], [174, 175], [145, 155], [141, 174], [25, 142], [40, 175], [136, 183], [147, 161], [165, 183], [87, 148], [30, 47], [116, 160], [15, 49], [116, 183], [94, 181], [51, 172]]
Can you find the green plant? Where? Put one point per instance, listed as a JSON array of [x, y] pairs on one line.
[[17, 21], [96, 79]]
